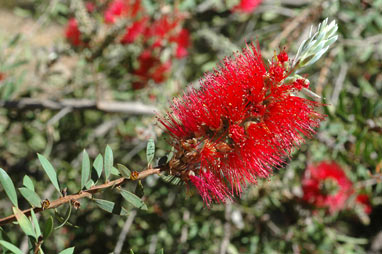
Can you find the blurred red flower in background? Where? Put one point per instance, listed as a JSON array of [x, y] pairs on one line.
[[237, 126], [326, 185], [72, 33], [364, 201], [247, 5], [157, 34]]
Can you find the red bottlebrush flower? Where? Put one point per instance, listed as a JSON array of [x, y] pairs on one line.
[[364, 201], [182, 39], [326, 185], [240, 124], [2, 76], [114, 10], [150, 67], [72, 33], [160, 72], [247, 5], [90, 7], [301, 83], [282, 57], [119, 8], [134, 31]]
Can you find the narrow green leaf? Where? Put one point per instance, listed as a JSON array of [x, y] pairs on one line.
[[131, 251], [115, 171], [27, 181], [133, 199], [110, 207], [49, 171], [89, 184], [10, 247], [8, 186], [35, 224], [30, 196], [150, 150], [48, 228], [161, 251], [108, 162], [24, 222], [125, 172], [85, 172], [98, 165], [67, 251], [65, 218]]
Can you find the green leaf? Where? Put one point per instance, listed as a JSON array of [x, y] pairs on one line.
[[98, 165], [171, 179], [110, 207], [10, 247], [150, 150], [48, 228], [8, 186], [89, 184], [49, 171], [114, 171], [131, 251], [24, 222], [65, 218], [30, 196], [85, 172], [133, 199], [67, 251], [35, 224], [27, 181], [108, 162], [125, 172], [161, 251]]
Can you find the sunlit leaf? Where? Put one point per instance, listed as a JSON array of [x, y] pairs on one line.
[[125, 172], [98, 165], [108, 162], [30, 196], [24, 222], [27, 181], [10, 247], [114, 171], [133, 199], [67, 251], [85, 171], [49, 171], [8, 186], [35, 224]]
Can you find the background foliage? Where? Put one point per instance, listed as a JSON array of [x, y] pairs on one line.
[[37, 62]]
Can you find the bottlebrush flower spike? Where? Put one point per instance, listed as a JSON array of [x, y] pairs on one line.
[[239, 125], [323, 193]]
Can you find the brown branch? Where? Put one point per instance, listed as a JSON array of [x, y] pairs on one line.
[[131, 108], [82, 194]]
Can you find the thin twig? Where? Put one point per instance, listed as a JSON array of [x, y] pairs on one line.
[[125, 230], [82, 194], [339, 84], [227, 229], [132, 108]]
